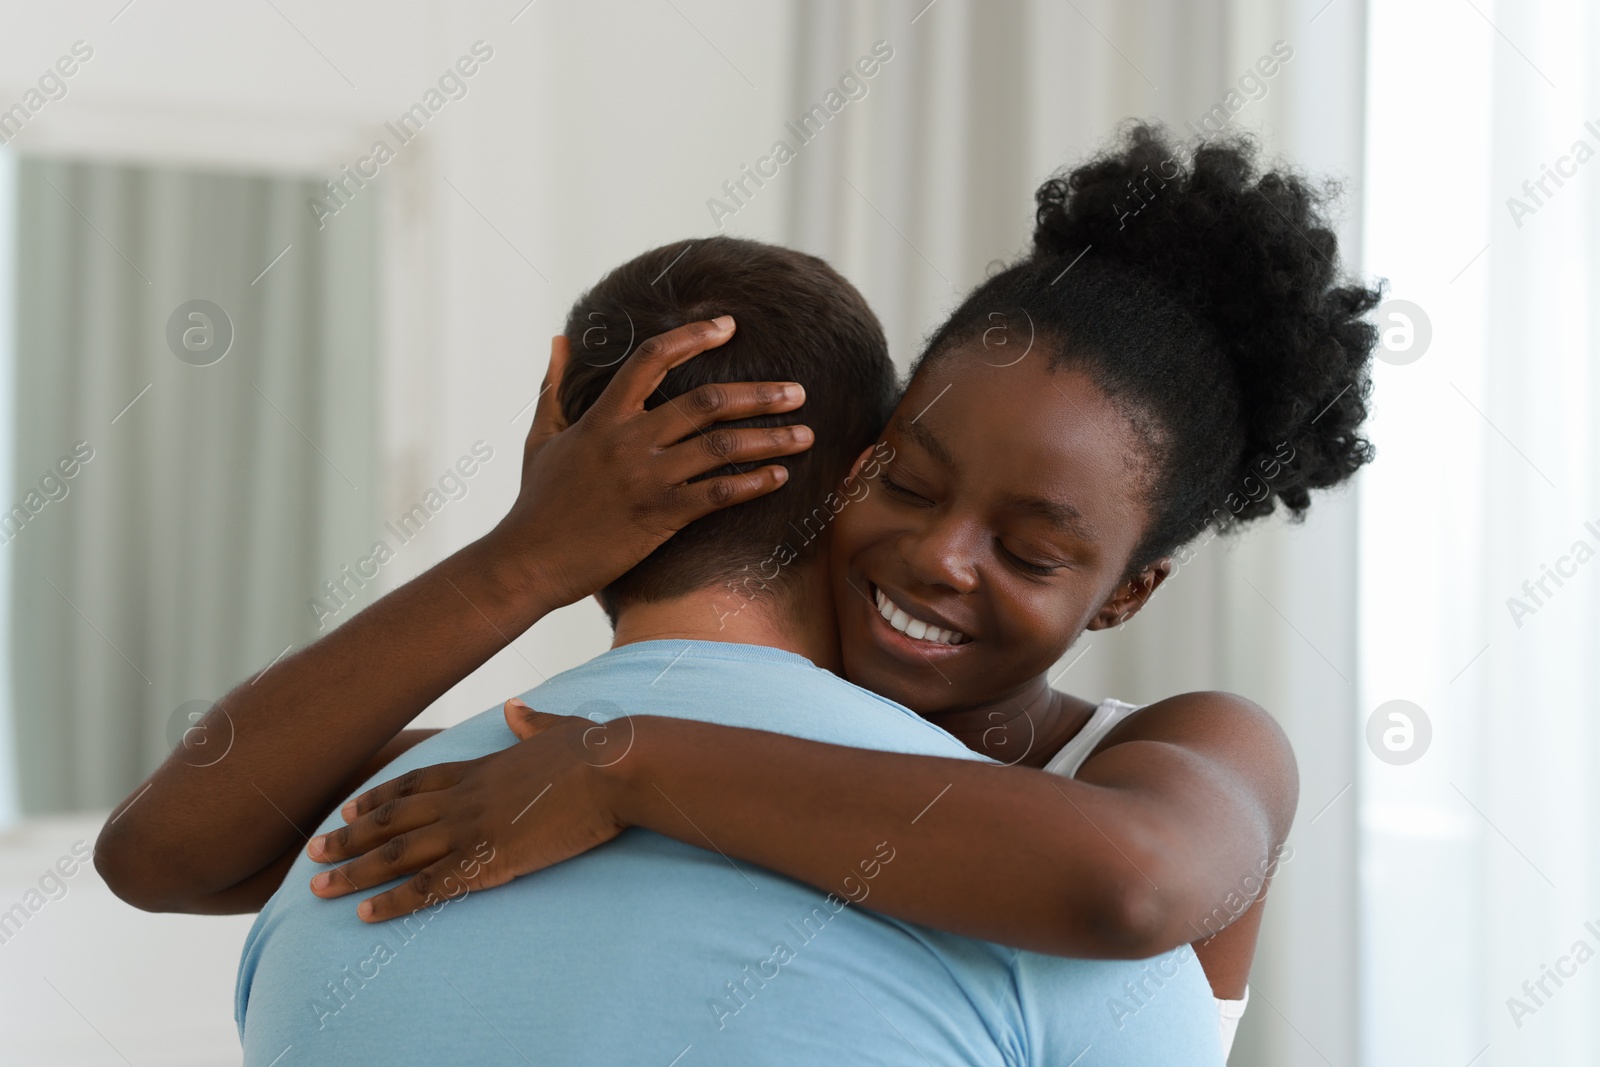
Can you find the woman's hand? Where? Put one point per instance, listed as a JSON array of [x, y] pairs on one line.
[[478, 823], [601, 494]]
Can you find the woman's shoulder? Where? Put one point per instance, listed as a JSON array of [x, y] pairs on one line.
[[1213, 722], [1209, 720], [1236, 735], [1204, 715]]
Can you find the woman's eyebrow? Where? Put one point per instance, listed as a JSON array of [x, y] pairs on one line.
[[1058, 513], [928, 440]]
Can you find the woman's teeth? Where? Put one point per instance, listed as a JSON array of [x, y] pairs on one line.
[[916, 629]]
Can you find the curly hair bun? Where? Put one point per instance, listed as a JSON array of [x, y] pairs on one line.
[[1251, 257]]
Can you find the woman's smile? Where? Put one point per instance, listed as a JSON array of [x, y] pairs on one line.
[[914, 622]]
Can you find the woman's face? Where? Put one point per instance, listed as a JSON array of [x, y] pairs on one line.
[[1001, 527]]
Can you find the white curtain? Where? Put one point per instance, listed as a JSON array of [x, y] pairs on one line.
[[209, 502], [9, 807], [1481, 519], [913, 191]]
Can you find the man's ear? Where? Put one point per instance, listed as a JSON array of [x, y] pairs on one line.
[[548, 418], [1125, 602]]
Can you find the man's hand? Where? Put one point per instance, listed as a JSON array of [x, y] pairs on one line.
[[481, 822], [601, 494]]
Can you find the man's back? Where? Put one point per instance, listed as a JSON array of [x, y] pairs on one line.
[[646, 950]]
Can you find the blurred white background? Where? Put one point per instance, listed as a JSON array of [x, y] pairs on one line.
[[1431, 877]]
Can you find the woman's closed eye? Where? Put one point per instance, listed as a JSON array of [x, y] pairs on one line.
[[1027, 565], [895, 489]]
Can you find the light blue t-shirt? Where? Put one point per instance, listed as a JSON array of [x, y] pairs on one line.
[[649, 951]]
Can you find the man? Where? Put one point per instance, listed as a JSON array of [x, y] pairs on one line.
[[647, 950]]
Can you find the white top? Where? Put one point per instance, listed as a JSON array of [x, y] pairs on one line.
[[1106, 718]]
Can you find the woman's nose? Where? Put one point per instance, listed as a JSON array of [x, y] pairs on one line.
[[942, 555]]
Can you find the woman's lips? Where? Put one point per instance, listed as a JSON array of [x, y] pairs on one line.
[[913, 627], [899, 643]]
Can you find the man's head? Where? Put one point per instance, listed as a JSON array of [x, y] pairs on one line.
[[797, 320]]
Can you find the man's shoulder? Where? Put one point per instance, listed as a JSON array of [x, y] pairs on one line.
[[752, 686]]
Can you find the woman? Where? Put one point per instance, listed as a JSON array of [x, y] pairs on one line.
[[1173, 357]]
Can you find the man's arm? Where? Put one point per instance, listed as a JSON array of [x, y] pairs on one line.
[[596, 498]]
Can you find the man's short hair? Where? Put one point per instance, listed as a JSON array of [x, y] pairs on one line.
[[798, 320]]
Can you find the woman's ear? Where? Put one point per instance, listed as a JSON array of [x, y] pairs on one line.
[[1131, 595]]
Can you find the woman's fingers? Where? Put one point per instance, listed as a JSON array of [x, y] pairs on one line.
[[388, 820], [641, 374], [713, 494], [720, 402], [400, 855], [448, 879], [421, 780], [715, 448]]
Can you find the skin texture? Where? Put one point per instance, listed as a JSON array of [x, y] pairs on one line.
[[1008, 513], [193, 836]]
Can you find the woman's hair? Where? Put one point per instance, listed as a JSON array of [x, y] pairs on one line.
[[1204, 298]]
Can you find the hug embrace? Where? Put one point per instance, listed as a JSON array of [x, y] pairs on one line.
[[850, 822]]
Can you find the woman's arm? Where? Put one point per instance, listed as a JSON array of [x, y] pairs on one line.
[[596, 498], [253, 893], [1161, 827], [1169, 821]]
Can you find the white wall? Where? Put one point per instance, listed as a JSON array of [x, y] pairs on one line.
[[10, 808]]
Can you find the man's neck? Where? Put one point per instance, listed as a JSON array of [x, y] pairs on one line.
[[797, 618]]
